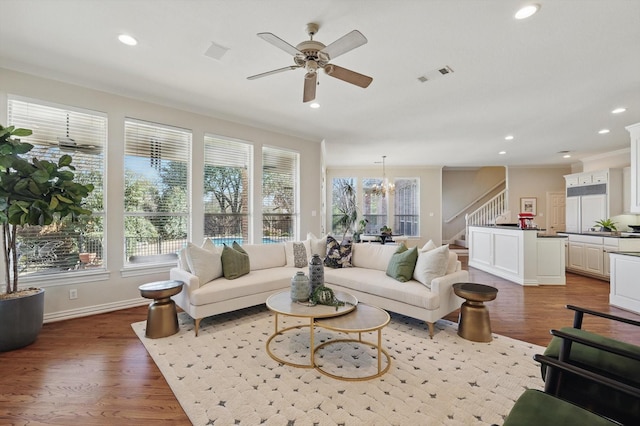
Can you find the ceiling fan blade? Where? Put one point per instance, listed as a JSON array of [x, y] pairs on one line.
[[279, 43], [348, 75], [279, 70], [344, 44], [310, 83]]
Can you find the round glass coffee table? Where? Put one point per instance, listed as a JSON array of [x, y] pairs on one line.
[[281, 304], [350, 318]]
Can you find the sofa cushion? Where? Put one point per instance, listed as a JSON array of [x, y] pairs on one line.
[[264, 256], [298, 253], [431, 264], [235, 261], [203, 263], [255, 282], [452, 264], [318, 245], [378, 283], [372, 256], [338, 255], [402, 263]]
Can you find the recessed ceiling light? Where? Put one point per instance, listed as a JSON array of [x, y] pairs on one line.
[[566, 156], [618, 110], [315, 105], [527, 11], [502, 152], [127, 39], [508, 138], [603, 131]]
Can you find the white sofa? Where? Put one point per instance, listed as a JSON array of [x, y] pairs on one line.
[[367, 280]]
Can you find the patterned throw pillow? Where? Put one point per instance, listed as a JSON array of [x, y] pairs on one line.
[[402, 263], [235, 261], [338, 255], [299, 255]]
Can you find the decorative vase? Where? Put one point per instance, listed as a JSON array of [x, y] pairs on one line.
[[300, 287], [316, 272]]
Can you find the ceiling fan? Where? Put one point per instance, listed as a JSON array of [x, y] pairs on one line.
[[313, 55]]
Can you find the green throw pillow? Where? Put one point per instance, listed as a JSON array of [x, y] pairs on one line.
[[402, 263], [235, 261]]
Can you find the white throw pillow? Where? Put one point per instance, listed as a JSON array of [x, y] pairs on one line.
[[203, 263], [207, 244], [290, 253], [431, 264], [430, 245], [318, 245]]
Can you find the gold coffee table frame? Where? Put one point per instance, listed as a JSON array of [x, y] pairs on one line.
[[347, 319], [364, 319]]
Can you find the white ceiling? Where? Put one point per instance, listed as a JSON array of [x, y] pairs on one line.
[[550, 80]]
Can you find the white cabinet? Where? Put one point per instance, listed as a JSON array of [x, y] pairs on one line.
[[634, 131], [624, 288], [593, 208], [592, 196], [593, 260], [626, 190], [572, 212], [590, 254]]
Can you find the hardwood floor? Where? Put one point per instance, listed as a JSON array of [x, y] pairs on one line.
[[95, 371]]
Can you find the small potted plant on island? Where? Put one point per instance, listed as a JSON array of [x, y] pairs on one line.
[[606, 225], [32, 192]]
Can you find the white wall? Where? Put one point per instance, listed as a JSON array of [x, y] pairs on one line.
[[430, 195], [118, 286], [527, 182]]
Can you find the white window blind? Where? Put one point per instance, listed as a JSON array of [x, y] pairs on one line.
[[57, 129], [407, 207], [156, 191], [279, 194], [227, 189]]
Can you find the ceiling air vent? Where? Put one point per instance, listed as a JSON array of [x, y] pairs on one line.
[[433, 74]]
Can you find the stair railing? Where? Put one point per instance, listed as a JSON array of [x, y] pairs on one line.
[[486, 213]]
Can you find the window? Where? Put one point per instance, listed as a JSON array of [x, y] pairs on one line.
[[227, 184], [406, 207], [64, 245], [343, 205], [156, 191], [374, 207], [279, 195]]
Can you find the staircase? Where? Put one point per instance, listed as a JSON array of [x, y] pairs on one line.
[[484, 215]]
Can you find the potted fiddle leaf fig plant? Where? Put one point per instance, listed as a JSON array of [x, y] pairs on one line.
[[32, 193]]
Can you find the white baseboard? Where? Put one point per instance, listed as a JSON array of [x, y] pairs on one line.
[[93, 310]]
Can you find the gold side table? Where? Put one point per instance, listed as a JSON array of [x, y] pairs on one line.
[[474, 323], [162, 317]]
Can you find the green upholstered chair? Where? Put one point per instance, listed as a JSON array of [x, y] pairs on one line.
[[614, 359], [535, 408]]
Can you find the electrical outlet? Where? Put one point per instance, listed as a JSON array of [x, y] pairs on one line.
[[73, 294]]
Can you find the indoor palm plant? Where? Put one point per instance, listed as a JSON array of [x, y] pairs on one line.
[[32, 192]]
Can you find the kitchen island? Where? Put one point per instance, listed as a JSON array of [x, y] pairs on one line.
[[523, 256], [625, 288]]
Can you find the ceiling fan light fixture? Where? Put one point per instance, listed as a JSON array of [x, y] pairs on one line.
[[527, 11]]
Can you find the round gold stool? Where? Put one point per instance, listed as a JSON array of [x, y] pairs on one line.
[[474, 323], [162, 318]]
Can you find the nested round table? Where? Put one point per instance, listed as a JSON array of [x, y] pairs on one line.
[[162, 317], [474, 323]]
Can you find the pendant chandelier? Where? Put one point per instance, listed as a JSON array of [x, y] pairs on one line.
[[386, 187]]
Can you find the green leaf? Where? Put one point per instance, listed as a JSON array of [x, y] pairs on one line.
[[22, 132], [64, 199], [65, 160], [40, 176]]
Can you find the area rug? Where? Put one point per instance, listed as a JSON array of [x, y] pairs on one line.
[[225, 376]]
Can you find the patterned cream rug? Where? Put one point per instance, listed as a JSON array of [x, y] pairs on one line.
[[225, 377]]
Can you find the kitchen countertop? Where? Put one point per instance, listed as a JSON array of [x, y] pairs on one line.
[[627, 253], [602, 234]]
